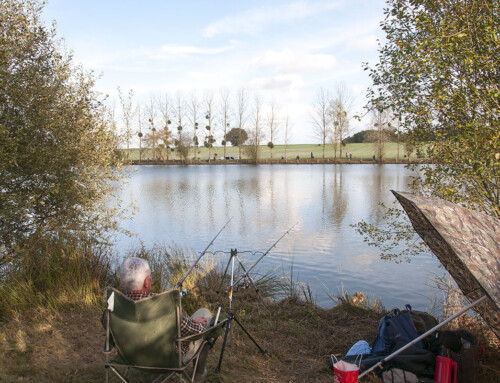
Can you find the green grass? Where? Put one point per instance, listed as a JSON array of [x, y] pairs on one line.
[[359, 151]]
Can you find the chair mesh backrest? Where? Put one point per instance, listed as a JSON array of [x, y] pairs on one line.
[[144, 331]]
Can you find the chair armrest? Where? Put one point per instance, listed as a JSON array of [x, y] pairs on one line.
[[204, 333]]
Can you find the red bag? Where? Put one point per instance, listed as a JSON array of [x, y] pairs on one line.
[[345, 372]]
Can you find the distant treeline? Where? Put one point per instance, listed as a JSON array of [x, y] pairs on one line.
[[371, 135]]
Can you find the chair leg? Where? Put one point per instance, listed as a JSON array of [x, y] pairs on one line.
[[199, 368], [176, 374], [122, 378]]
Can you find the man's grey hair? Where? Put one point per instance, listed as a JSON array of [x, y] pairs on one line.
[[133, 272]]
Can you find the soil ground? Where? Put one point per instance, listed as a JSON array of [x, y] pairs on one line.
[[298, 336]]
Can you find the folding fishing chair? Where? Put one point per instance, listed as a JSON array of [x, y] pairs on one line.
[[147, 336]]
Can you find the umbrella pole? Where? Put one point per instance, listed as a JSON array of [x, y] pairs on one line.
[[416, 340]]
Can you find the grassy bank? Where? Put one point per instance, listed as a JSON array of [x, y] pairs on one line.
[[63, 343], [358, 151]]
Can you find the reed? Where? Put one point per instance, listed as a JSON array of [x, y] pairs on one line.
[[357, 299], [54, 275], [169, 263]]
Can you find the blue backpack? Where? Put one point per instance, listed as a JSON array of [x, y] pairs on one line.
[[395, 328]]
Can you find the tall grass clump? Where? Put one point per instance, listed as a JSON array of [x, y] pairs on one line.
[[170, 262], [207, 283], [294, 289], [453, 301], [54, 274], [358, 299]]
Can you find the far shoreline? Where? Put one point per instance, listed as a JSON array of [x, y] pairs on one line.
[[268, 161]]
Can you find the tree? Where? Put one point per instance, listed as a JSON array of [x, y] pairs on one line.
[[139, 134], [255, 135], [183, 143], [237, 137], [165, 134], [272, 124], [380, 135], [57, 146], [439, 72], [209, 106], [321, 116], [180, 112], [165, 137], [340, 109], [287, 134], [152, 137], [127, 104], [241, 114], [194, 111], [224, 114]]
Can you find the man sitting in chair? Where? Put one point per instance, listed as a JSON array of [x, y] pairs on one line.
[[136, 282]]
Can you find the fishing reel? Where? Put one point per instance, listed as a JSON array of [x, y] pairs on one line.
[[243, 285]]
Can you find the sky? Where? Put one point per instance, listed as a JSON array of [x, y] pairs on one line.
[[281, 50]]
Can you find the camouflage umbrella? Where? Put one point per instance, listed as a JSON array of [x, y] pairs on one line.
[[467, 244]]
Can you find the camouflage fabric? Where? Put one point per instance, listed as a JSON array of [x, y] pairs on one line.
[[467, 244]]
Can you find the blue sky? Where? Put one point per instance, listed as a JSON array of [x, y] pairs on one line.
[[281, 49]]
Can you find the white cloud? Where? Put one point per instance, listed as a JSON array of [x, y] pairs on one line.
[[363, 43], [277, 82], [287, 61], [252, 20], [170, 50]]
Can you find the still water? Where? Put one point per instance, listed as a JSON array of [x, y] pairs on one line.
[[190, 204]]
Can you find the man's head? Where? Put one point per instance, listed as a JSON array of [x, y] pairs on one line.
[[135, 274]]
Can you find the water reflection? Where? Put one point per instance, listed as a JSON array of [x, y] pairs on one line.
[[189, 204]]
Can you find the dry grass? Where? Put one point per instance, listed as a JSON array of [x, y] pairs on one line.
[[298, 336], [52, 348], [48, 345]]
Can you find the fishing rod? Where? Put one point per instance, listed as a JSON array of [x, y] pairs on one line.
[[258, 260], [179, 284], [229, 290]]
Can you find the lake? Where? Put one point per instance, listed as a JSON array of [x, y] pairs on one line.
[[190, 204]]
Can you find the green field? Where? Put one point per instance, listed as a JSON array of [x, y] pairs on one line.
[[359, 151]]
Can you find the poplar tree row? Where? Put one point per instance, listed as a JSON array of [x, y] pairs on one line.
[[183, 122]]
